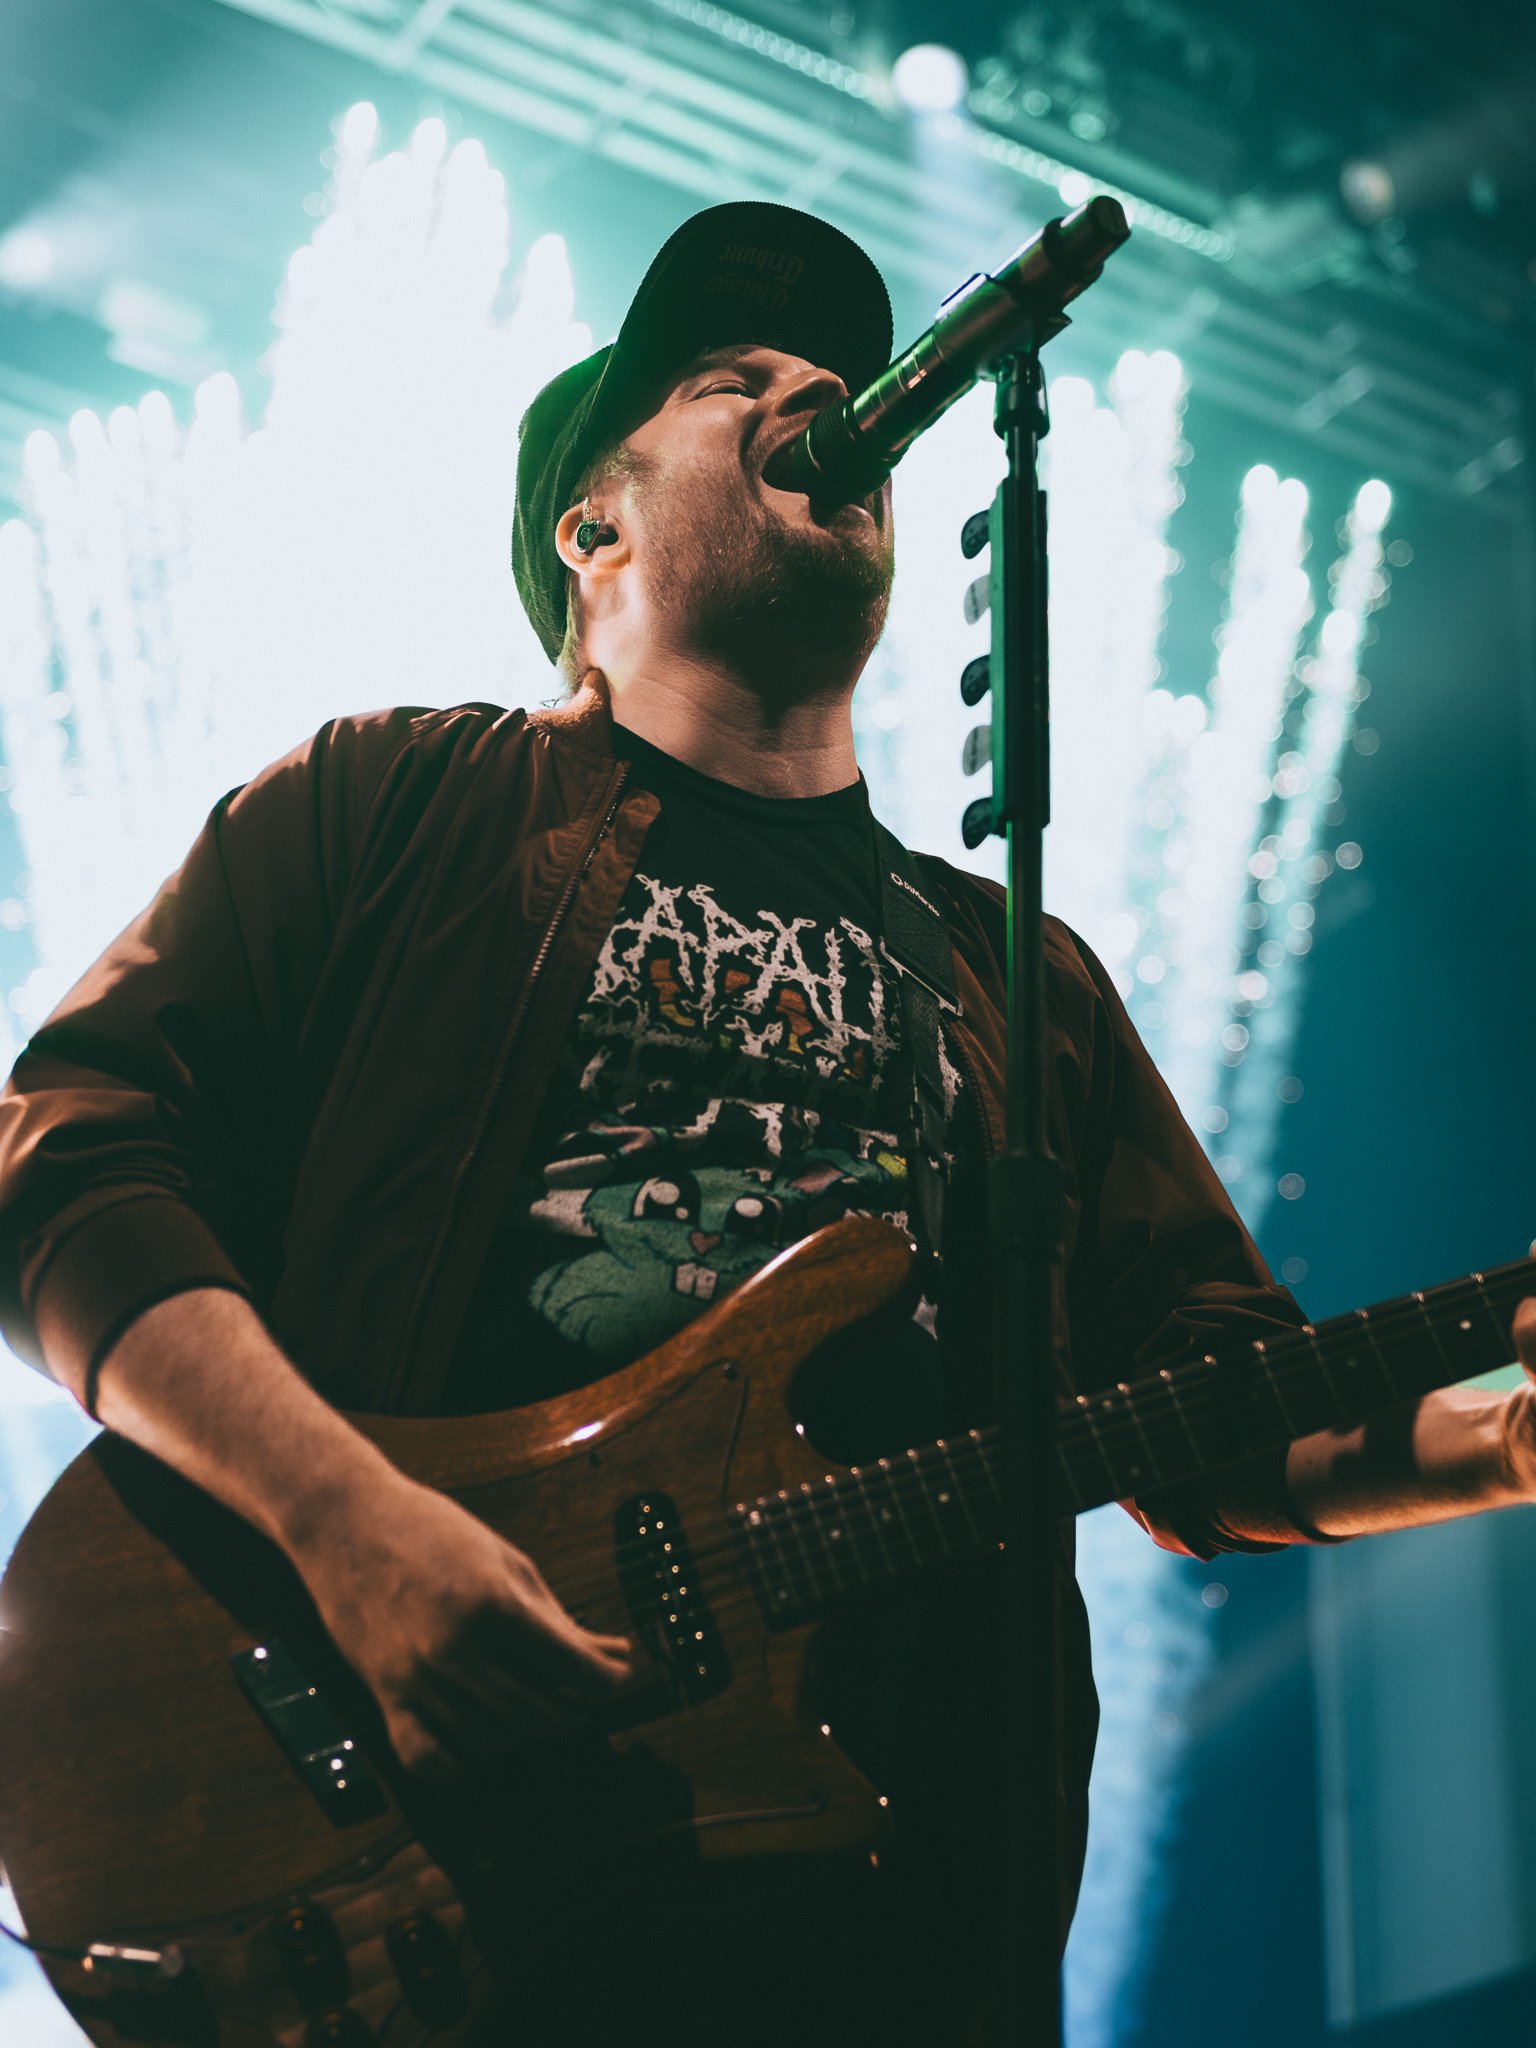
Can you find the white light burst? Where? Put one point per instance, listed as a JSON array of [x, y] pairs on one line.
[[187, 605], [1291, 861], [1226, 768]]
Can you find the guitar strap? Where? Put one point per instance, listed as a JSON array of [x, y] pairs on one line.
[[916, 943]]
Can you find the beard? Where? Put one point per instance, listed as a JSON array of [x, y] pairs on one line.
[[749, 590]]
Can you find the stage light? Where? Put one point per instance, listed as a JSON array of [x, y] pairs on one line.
[[215, 593], [930, 78], [26, 259], [1368, 192], [358, 130], [1373, 506]]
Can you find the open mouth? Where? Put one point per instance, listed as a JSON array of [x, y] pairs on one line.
[[777, 471], [778, 475]]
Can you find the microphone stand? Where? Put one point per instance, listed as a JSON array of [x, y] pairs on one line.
[[998, 325], [1025, 1205]]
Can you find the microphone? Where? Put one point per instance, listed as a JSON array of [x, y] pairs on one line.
[[850, 448]]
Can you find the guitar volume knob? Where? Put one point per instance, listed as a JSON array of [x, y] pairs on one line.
[[427, 1965], [314, 1963]]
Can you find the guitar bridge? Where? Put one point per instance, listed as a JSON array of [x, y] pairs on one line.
[[666, 1599]]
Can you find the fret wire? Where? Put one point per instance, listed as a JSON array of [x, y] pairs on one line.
[[1084, 1408], [896, 1513], [1341, 1407], [1259, 1357], [1168, 1379], [915, 1462], [781, 1592], [1132, 1410], [1160, 1415], [1431, 1324], [792, 1525], [951, 1496], [958, 1487], [819, 1505], [987, 1471], [859, 1474], [1500, 1329], [849, 1497], [1363, 1319]]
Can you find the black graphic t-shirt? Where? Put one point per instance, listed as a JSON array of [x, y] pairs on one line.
[[734, 1079]]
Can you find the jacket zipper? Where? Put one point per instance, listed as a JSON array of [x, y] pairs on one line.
[[551, 932]]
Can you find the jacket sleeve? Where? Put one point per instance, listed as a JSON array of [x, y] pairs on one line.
[[135, 1124], [1164, 1271]]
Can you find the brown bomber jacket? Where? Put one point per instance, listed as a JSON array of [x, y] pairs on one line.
[[308, 1072]]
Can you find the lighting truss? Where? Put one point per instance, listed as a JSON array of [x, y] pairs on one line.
[[704, 99]]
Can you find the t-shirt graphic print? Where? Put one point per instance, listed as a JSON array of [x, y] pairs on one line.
[[723, 1096], [735, 1078]]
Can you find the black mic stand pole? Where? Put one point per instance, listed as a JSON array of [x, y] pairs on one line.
[[1025, 1209]]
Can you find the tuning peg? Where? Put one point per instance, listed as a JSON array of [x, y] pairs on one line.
[[978, 596], [977, 751], [975, 534], [976, 679], [976, 822]]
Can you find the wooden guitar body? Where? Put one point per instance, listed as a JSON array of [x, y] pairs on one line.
[[153, 1793], [189, 1772]]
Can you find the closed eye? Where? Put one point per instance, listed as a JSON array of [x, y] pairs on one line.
[[710, 390]]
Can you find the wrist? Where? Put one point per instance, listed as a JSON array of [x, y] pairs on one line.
[[331, 1496], [1517, 1443]]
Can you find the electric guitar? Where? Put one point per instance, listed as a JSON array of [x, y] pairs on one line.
[[203, 1825]]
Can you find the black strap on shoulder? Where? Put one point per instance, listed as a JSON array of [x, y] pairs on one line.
[[916, 943]]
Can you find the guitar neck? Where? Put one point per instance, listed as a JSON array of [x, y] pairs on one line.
[[943, 1501]]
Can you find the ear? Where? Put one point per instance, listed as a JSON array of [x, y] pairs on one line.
[[611, 555]]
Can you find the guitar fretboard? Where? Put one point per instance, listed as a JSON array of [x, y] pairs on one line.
[[943, 1501]]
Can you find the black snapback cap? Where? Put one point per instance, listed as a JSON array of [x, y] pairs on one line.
[[748, 271]]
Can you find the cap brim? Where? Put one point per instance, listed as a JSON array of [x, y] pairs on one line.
[[741, 273]]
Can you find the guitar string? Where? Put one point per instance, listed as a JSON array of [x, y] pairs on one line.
[[1290, 1356], [789, 1518]]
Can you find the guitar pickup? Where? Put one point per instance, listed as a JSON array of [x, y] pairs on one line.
[[306, 1729], [665, 1598]]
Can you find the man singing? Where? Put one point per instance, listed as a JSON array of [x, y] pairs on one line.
[[470, 1054]]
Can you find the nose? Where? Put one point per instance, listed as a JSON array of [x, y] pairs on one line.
[[808, 391]]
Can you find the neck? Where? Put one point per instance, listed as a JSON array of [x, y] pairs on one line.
[[720, 724]]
